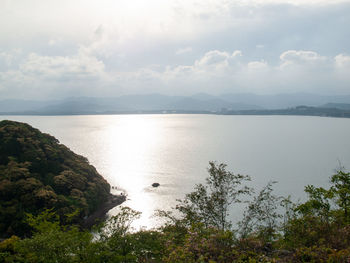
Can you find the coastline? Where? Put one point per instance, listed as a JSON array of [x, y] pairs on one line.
[[100, 214]]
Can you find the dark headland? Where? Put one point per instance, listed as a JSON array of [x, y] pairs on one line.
[[100, 214], [38, 173]]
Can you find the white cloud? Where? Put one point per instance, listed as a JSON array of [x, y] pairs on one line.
[[9, 58], [39, 76], [108, 46], [136, 21], [217, 61], [59, 67], [213, 58], [297, 71], [6, 58], [257, 65], [294, 2], [342, 68], [342, 61], [183, 50], [213, 64], [300, 57], [55, 41], [182, 70], [236, 53], [216, 71]]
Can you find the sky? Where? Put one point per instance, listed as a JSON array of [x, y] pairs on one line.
[[53, 49]]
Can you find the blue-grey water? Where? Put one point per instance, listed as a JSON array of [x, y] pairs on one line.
[[134, 151]]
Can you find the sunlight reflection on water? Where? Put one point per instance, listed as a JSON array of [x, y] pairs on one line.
[[134, 151]]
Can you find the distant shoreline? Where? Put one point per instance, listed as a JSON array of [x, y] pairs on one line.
[[295, 111]]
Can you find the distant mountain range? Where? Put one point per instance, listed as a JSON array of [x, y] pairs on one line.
[[296, 111], [198, 103]]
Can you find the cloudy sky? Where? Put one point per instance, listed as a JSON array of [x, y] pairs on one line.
[[57, 49]]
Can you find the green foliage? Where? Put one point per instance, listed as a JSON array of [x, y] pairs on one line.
[[262, 217], [7, 249], [37, 173], [120, 224], [210, 203], [55, 245], [266, 235], [201, 244], [340, 191], [318, 203], [323, 219], [50, 242], [321, 254], [119, 243], [316, 230]]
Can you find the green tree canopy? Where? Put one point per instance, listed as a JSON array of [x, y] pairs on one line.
[[37, 172]]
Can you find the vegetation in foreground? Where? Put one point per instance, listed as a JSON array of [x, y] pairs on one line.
[[273, 229]]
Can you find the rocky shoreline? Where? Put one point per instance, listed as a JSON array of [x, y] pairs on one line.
[[100, 214]]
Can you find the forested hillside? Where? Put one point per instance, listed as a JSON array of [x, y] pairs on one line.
[[37, 172]]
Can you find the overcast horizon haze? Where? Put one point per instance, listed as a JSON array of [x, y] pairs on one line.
[[58, 49]]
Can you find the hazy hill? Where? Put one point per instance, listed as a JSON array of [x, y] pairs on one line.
[[15, 105], [200, 102], [342, 106], [38, 172], [129, 103], [299, 110], [280, 101]]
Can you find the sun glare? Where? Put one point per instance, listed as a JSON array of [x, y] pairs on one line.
[[132, 11], [132, 141]]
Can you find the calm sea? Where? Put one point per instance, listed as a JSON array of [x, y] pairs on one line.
[[134, 151]]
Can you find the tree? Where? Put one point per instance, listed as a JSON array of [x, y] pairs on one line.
[[210, 203], [262, 216], [318, 203], [324, 217], [341, 192], [120, 224], [52, 242], [115, 238]]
